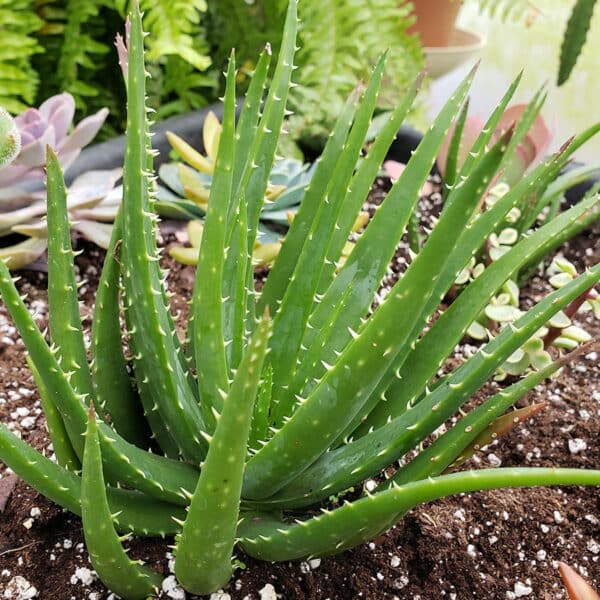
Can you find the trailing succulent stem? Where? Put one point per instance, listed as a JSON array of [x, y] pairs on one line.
[[277, 399]]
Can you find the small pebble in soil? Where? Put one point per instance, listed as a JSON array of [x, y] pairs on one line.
[[18, 588], [541, 555], [171, 589], [577, 445], [220, 595], [268, 592], [83, 575], [520, 590], [593, 546]]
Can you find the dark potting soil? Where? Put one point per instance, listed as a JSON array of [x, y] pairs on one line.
[[489, 545]]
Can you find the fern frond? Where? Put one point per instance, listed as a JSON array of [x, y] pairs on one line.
[[173, 25], [79, 49], [243, 26], [339, 40], [509, 10], [18, 80], [182, 88]]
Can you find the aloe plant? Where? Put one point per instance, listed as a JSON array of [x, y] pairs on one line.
[[277, 400]]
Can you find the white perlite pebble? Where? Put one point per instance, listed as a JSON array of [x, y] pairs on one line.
[[395, 561], [494, 460], [577, 445], [314, 563], [522, 590], [220, 595], [541, 555], [593, 546], [171, 589], [18, 588], [268, 592], [28, 422], [83, 574]]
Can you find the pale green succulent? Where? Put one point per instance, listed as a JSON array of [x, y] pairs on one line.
[[277, 400], [10, 140], [503, 308]]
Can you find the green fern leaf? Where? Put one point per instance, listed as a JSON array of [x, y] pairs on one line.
[[345, 39], [173, 25], [18, 80]]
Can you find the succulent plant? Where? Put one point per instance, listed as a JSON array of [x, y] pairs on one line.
[[93, 200], [49, 125], [10, 138], [188, 183], [277, 400], [559, 332]]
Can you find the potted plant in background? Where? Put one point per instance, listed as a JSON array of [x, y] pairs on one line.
[[445, 46]]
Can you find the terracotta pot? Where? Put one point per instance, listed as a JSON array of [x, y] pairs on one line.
[[435, 21]]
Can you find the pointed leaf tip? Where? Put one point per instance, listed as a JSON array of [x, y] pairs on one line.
[[577, 587]]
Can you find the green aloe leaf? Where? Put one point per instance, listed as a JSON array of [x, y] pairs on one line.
[[210, 528], [63, 303], [163, 383], [209, 343], [574, 37], [268, 538], [112, 383], [126, 577], [136, 512]]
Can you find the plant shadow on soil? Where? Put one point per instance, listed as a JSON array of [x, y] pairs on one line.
[[487, 545]]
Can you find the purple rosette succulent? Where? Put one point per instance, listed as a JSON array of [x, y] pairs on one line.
[[49, 125]]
